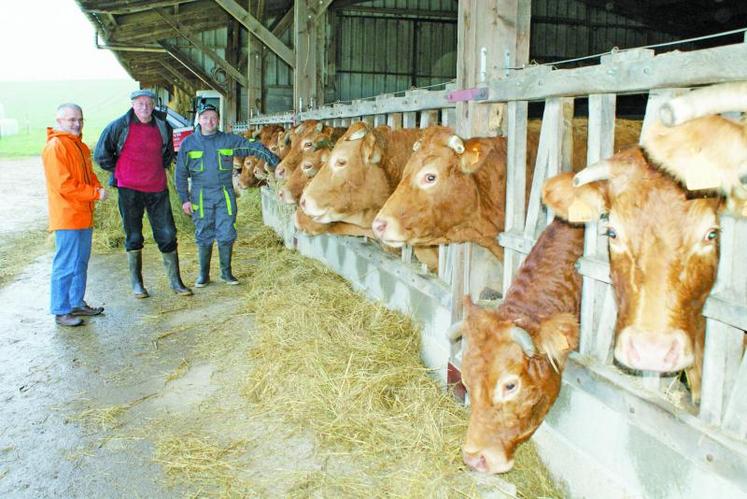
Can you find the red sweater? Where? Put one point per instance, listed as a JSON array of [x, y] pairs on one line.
[[140, 166]]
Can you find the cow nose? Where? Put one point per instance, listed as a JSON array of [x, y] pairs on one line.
[[475, 460], [303, 202], [648, 351], [379, 226], [280, 173]]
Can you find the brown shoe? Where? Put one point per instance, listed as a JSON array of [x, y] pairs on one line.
[[68, 320], [86, 311]]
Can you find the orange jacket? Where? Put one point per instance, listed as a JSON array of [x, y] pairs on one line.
[[72, 187]]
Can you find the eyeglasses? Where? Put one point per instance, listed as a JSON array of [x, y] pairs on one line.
[[73, 120]]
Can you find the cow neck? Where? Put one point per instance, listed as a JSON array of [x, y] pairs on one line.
[[547, 282]]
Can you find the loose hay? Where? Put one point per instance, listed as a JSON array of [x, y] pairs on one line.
[[328, 360], [199, 461]]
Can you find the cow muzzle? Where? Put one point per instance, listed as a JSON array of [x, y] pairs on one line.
[[387, 231], [309, 206], [659, 352], [486, 461]]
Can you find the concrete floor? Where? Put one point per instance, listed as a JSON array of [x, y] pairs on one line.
[[165, 366]]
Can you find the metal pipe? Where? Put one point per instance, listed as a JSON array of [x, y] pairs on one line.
[[125, 48]]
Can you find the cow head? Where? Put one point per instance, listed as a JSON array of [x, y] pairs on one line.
[[352, 185], [451, 190], [512, 373], [302, 139], [663, 248], [308, 166]]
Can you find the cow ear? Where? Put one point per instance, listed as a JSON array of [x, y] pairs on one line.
[[470, 159], [575, 204], [558, 337], [370, 150]]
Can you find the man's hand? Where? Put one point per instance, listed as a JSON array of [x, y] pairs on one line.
[[103, 194], [187, 208]]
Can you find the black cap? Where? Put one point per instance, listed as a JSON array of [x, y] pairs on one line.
[[206, 107]]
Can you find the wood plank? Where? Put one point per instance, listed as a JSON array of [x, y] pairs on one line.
[[182, 80], [255, 28], [723, 353], [548, 151], [307, 89], [627, 75], [515, 182], [734, 417], [600, 144]]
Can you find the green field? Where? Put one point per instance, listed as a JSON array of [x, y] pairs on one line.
[[33, 104]]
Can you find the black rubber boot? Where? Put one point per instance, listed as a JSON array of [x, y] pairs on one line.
[[225, 251], [204, 253], [135, 261], [171, 262]]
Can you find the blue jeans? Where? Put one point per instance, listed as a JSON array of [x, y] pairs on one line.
[[70, 269], [133, 204]]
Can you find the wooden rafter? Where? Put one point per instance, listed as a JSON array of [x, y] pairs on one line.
[[228, 68], [129, 7], [185, 61], [283, 23], [323, 6], [183, 82], [255, 27]]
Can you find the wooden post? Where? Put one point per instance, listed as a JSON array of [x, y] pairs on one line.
[[491, 36], [254, 75], [306, 85]]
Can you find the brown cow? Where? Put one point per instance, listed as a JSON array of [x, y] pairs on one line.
[[252, 169], [454, 190], [515, 354], [309, 163], [363, 169], [663, 248]]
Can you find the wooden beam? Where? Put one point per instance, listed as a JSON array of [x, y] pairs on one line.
[[283, 23], [228, 68], [255, 28], [323, 6], [186, 85], [130, 7], [185, 61]]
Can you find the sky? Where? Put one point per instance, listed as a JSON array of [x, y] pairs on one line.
[[51, 40]]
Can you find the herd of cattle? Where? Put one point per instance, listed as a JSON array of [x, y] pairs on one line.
[[659, 202]]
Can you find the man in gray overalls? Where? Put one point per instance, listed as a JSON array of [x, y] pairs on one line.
[[206, 157]]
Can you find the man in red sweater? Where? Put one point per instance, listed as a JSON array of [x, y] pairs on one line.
[[137, 148]]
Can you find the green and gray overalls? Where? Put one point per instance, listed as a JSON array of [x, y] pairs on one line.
[[208, 161]]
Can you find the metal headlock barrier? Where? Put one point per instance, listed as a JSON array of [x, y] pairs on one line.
[[610, 433]]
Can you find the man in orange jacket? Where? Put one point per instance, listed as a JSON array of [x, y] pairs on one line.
[[72, 189]]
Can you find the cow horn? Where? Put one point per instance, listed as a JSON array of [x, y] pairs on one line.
[[601, 170], [456, 143], [521, 337], [358, 134], [715, 99], [319, 126], [455, 331], [416, 146], [300, 128]]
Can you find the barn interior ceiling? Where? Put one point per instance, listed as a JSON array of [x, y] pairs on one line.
[[144, 34]]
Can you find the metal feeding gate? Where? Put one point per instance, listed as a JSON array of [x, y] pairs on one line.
[[610, 433]]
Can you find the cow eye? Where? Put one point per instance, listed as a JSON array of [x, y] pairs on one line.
[[712, 235], [611, 233], [307, 145], [341, 162], [429, 178]]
